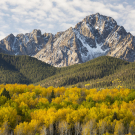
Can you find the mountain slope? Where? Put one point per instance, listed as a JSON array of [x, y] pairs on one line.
[[96, 35], [124, 77], [92, 70], [23, 69]]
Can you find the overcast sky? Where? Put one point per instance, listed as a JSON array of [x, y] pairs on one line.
[[52, 16]]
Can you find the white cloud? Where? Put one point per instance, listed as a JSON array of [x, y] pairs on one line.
[[129, 21], [58, 15], [125, 3], [25, 4], [23, 31], [119, 7], [66, 25], [50, 26], [18, 10], [2, 35], [38, 14], [3, 6], [45, 5], [29, 21], [16, 19], [3, 27], [48, 19], [3, 14]]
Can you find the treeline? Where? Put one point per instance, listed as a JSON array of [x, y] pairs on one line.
[[35, 110]]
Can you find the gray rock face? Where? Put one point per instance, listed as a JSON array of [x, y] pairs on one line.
[[28, 44], [94, 36]]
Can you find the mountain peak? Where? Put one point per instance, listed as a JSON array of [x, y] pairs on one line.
[[94, 36], [37, 32], [11, 35], [97, 14]]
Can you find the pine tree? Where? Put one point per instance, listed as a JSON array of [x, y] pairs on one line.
[[51, 96], [6, 94]]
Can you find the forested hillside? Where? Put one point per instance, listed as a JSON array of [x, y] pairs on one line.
[[35, 110], [23, 69], [124, 77], [101, 72]]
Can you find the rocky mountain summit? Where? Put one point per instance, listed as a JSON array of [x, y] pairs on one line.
[[94, 36]]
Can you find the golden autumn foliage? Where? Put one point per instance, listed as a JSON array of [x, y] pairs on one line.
[[37, 110]]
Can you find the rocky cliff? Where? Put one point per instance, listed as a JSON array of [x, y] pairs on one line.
[[94, 36]]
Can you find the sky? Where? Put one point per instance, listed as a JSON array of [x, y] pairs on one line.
[[52, 16]]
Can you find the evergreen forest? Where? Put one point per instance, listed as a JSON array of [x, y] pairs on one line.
[[101, 72]]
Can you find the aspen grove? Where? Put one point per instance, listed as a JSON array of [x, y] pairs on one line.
[[35, 110]]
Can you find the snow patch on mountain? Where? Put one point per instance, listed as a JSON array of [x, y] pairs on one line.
[[91, 52]]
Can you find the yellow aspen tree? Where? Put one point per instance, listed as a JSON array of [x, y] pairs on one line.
[[44, 130], [5, 128], [8, 114], [19, 129], [43, 100], [78, 128], [89, 128], [3, 99], [129, 134], [63, 127], [22, 129], [132, 127], [102, 127], [51, 129], [85, 129], [57, 100], [119, 128], [33, 127]]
